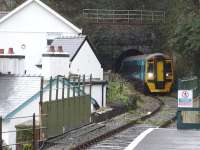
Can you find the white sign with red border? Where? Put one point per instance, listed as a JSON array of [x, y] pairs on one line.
[[185, 98]]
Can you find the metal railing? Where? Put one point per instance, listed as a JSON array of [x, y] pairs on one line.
[[35, 141], [124, 16]]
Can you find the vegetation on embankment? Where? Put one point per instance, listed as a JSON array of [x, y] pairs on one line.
[[121, 92]]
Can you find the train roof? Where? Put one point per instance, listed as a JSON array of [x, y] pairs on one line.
[[157, 55], [146, 56]]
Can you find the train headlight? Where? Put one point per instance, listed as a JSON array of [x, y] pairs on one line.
[[150, 75], [167, 74]]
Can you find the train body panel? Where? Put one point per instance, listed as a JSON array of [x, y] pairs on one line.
[[155, 71]]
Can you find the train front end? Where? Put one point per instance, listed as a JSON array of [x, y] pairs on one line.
[[159, 76]]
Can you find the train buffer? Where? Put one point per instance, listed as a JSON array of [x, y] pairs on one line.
[[166, 139]]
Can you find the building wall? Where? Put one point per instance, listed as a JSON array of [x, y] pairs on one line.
[[10, 138], [86, 63], [33, 107], [32, 45], [34, 18], [27, 32]]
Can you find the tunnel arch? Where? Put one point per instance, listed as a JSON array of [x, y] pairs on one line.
[[123, 55]]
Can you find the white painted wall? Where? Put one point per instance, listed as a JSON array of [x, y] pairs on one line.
[[35, 45], [33, 107], [32, 26], [54, 66], [10, 138], [86, 63], [12, 65], [34, 18]]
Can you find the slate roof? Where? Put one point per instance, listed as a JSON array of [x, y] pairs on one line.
[[70, 45], [16, 90]]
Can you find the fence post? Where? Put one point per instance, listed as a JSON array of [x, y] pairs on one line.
[[83, 84], [63, 88], [90, 85], [79, 85], [74, 84], [50, 88], [1, 140], [57, 86], [97, 16], [34, 138], [40, 106], [68, 88]]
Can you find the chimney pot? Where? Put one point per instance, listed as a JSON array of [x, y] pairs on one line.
[[51, 49], [60, 49], [10, 51], [1, 51]]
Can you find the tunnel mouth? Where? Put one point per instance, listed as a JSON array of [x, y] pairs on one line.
[[123, 55]]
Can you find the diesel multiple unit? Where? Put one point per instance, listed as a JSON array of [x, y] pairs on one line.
[[154, 71]]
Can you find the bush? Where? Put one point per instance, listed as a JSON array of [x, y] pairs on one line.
[[27, 147], [118, 90]]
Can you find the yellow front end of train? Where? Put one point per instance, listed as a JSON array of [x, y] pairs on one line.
[[159, 76]]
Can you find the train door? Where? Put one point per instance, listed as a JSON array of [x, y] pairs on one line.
[[160, 74]]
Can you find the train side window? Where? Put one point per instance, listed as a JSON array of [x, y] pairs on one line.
[[168, 67], [150, 68]]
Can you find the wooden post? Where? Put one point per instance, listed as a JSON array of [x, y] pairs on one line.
[[57, 87], [1, 139], [50, 89], [34, 137]]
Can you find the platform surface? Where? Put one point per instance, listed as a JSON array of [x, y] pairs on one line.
[[167, 139]]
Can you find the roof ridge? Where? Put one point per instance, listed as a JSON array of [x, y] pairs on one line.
[[45, 6], [71, 37], [15, 75]]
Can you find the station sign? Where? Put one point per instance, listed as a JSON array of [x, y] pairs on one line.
[[185, 98]]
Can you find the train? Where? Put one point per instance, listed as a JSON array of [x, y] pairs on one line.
[[154, 72]]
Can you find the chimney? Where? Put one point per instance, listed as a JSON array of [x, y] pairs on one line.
[[54, 64], [60, 49], [1, 51], [10, 51], [51, 49]]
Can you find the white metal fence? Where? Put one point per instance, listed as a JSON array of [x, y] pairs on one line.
[[124, 16]]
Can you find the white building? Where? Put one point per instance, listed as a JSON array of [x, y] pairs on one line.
[[27, 30], [26, 35]]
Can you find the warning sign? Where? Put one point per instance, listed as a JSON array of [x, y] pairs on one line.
[[185, 98]]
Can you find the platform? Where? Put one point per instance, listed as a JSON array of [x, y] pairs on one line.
[[166, 139]]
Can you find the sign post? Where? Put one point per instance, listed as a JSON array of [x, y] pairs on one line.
[[185, 98]]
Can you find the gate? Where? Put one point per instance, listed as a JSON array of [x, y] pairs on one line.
[[66, 104], [65, 115], [189, 118]]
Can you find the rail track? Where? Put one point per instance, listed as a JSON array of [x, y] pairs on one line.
[[122, 137], [99, 138]]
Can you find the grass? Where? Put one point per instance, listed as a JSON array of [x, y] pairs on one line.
[[122, 92]]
